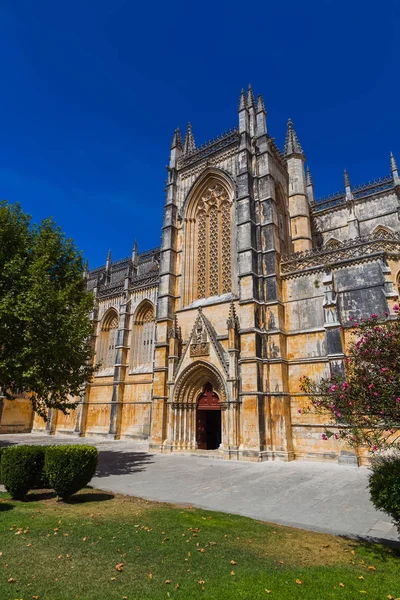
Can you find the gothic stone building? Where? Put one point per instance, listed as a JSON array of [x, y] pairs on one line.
[[202, 342]]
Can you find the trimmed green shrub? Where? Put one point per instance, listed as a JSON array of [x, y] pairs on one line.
[[21, 468], [70, 468], [384, 486]]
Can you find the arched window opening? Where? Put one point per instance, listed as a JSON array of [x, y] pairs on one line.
[[142, 345], [107, 341], [208, 244]]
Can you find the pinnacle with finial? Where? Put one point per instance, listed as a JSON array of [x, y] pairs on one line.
[[292, 144], [250, 97], [233, 321], [309, 180], [176, 140], [109, 255], [189, 143], [260, 104], [242, 101], [393, 164], [346, 179]]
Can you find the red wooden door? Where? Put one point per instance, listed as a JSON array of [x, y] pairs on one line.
[[201, 430], [208, 401]]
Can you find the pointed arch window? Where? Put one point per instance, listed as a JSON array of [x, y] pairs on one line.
[[107, 350], [208, 244], [142, 342]]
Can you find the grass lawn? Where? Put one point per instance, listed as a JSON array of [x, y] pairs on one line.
[[100, 546]]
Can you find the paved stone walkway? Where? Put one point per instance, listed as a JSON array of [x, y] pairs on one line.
[[309, 495]]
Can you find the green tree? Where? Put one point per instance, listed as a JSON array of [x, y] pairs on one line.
[[364, 403], [45, 329]]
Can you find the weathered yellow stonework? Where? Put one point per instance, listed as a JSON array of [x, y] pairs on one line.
[[203, 341]]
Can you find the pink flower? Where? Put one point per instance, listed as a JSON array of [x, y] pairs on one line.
[[383, 369], [345, 385], [339, 415], [374, 448], [299, 410], [375, 393], [324, 436], [371, 385]]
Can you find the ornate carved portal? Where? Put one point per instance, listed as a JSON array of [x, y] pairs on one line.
[[208, 420], [200, 414]]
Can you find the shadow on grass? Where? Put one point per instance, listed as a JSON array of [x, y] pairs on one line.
[[381, 548], [5, 506], [90, 497], [41, 495], [113, 462]]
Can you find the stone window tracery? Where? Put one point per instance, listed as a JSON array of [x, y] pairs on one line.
[[107, 340], [208, 242], [142, 342]]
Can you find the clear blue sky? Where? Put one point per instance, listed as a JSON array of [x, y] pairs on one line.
[[91, 92]]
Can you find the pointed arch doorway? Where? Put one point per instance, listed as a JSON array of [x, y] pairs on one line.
[[208, 419]]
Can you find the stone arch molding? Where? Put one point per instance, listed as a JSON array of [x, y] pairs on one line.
[[193, 379]]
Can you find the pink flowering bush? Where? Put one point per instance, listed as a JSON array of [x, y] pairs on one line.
[[364, 404]]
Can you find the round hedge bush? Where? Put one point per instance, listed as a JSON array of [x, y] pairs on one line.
[[70, 468], [384, 486], [21, 469]]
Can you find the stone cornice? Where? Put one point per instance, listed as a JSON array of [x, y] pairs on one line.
[[354, 250]]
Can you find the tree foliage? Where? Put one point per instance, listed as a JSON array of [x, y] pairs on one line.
[[45, 329], [364, 403]]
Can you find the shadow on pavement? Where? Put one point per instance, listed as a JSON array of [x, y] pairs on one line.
[[121, 463], [5, 443]]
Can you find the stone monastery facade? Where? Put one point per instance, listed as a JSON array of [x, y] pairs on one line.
[[202, 341]]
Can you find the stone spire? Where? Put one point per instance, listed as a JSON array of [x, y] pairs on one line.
[[393, 168], [250, 97], [189, 143], [346, 180], [175, 152], [85, 269], [242, 101], [292, 144], [393, 163], [233, 320], [309, 186], [252, 111], [108, 262], [175, 331], [261, 117], [176, 140], [135, 254]]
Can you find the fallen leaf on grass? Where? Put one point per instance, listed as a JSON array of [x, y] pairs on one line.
[[268, 591], [201, 581], [341, 584], [361, 577], [113, 578], [232, 572], [177, 586], [299, 581], [35, 597], [119, 566], [11, 580], [168, 581], [150, 575], [233, 562], [372, 568]]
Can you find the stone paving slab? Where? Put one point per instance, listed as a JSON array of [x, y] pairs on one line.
[[310, 495]]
